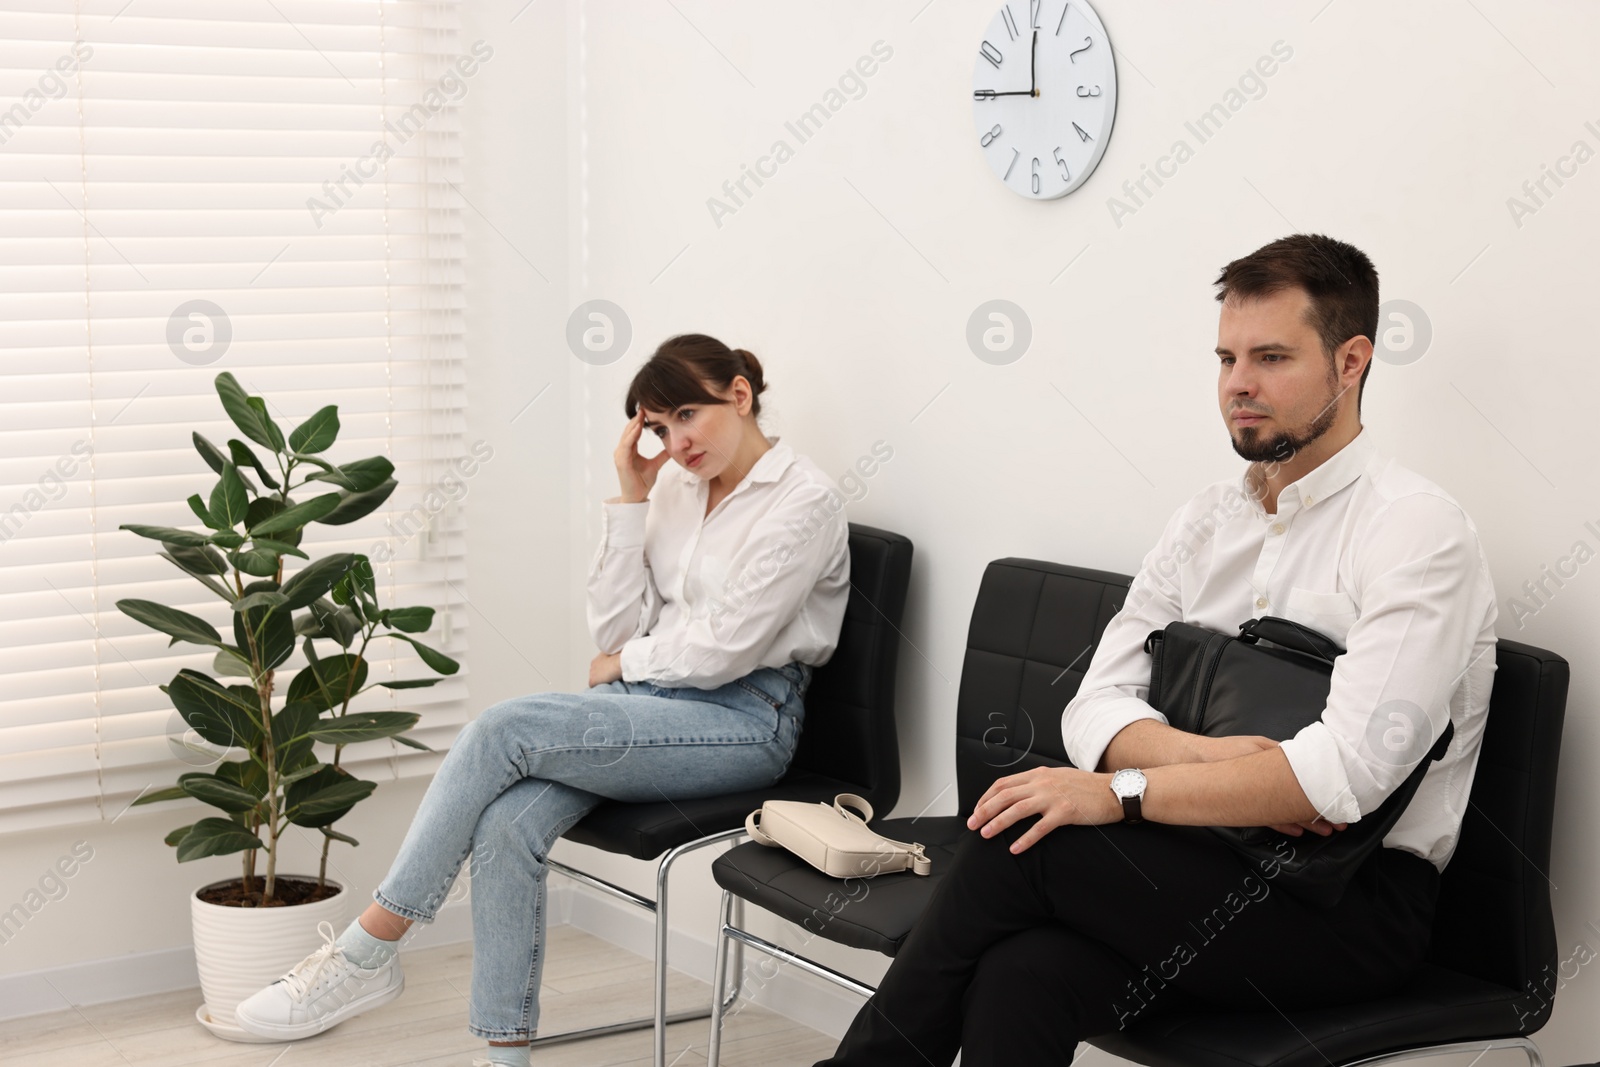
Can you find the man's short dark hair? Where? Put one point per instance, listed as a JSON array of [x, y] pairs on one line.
[[1339, 279]]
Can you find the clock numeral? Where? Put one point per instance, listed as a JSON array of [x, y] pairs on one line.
[[1081, 135], [1065, 173], [1013, 163], [1035, 9], [992, 54], [1011, 23], [1095, 93], [1063, 20], [988, 139], [1088, 42], [1036, 174]]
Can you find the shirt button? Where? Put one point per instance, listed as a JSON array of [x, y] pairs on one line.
[[1277, 527], [1305, 500], [1261, 601]]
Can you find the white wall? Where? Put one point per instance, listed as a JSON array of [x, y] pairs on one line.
[[1400, 128], [596, 136]]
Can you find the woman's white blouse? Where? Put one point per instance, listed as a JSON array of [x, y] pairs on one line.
[[700, 600]]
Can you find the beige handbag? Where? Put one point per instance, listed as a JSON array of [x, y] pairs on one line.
[[834, 839]]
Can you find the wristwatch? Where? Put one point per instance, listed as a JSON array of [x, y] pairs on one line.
[[1128, 786]]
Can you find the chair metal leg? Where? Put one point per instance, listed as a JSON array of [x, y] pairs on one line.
[[719, 979], [1535, 1059], [659, 1020]]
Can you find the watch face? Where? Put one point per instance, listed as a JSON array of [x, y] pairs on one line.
[[1128, 783], [1044, 95]]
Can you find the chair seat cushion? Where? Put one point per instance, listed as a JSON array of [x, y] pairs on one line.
[[645, 831], [874, 913], [1437, 1007]]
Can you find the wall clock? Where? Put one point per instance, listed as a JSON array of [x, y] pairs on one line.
[[1044, 95]]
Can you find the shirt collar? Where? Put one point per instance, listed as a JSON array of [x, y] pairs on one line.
[[773, 462], [1336, 472]]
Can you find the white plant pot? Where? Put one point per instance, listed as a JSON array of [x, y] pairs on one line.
[[240, 950]]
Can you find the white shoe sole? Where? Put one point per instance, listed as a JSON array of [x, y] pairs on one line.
[[312, 1027]]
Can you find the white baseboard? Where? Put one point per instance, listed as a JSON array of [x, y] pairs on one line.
[[137, 974], [807, 1000]]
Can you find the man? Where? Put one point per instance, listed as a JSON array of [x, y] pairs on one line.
[[1058, 920]]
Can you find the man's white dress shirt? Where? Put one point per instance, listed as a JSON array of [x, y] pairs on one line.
[[700, 600], [1373, 555]]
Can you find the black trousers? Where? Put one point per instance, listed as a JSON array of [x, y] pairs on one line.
[[1018, 958]]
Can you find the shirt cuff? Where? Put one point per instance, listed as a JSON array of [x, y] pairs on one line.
[[1318, 766], [1109, 719], [635, 659], [622, 525]]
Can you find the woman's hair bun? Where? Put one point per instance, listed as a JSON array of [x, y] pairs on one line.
[[753, 372]]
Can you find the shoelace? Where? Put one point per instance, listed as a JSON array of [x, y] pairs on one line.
[[308, 971]]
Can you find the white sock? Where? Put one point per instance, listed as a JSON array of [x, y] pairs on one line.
[[509, 1055], [363, 949]]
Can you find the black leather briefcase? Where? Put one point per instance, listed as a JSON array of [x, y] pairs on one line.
[[1220, 685]]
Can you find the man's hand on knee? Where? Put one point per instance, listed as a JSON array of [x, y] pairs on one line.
[[1060, 796]]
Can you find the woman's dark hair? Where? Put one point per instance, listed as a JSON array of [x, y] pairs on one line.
[[1339, 279], [681, 368]]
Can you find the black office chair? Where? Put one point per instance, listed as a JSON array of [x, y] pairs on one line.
[[847, 745], [1494, 941], [1489, 981], [1033, 630]]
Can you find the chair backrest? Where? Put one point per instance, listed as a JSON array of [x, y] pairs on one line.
[[849, 731], [1034, 629], [1493, 919]]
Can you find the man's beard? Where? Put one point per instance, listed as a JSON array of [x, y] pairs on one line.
[[1252, 445]]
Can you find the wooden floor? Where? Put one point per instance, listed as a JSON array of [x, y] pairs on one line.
[[586, 981]]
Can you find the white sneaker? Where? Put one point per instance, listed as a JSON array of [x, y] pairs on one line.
[[322, 990]]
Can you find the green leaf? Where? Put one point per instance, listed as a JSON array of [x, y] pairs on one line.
[[412, 743], [198, 506], [250, 417], [169, 534], [280, 547], [276, 641], [209, 452], [337, 836], [357, 476], [285, 780], [216, 837], [326, 620], [257, 562], [227, 716], [292, 518], [324, 797], [315, 579], [227, 539], [359, 505], [244, 457], [293, 733], [247, 774], [229, 664], [327, 682], [218, 792], [364, 726], [411, 683], [435, 659], [180, 625], [411, 620], [228, 499], [267, 598], [172, 792], [178, 835], [262, 508], [317, 432], [202, 561]]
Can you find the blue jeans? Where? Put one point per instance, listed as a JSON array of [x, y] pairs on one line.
[[524, 771]]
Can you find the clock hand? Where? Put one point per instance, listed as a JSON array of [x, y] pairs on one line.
[[990, 94], [1033, 66]]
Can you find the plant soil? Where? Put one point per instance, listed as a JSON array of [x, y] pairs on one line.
[[287, 892]]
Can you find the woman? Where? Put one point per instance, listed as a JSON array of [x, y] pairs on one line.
[[719, 583]]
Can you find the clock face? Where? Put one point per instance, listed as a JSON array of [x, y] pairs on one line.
[[1044, 95]]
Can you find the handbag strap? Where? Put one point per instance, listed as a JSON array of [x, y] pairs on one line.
[[752, 826], [1291, 635]]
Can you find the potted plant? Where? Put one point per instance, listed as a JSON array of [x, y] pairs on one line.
[[270, 773]]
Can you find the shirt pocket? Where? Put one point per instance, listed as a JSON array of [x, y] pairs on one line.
[[1327, 613]]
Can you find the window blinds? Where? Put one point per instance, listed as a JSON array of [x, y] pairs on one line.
[[187, 187]]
